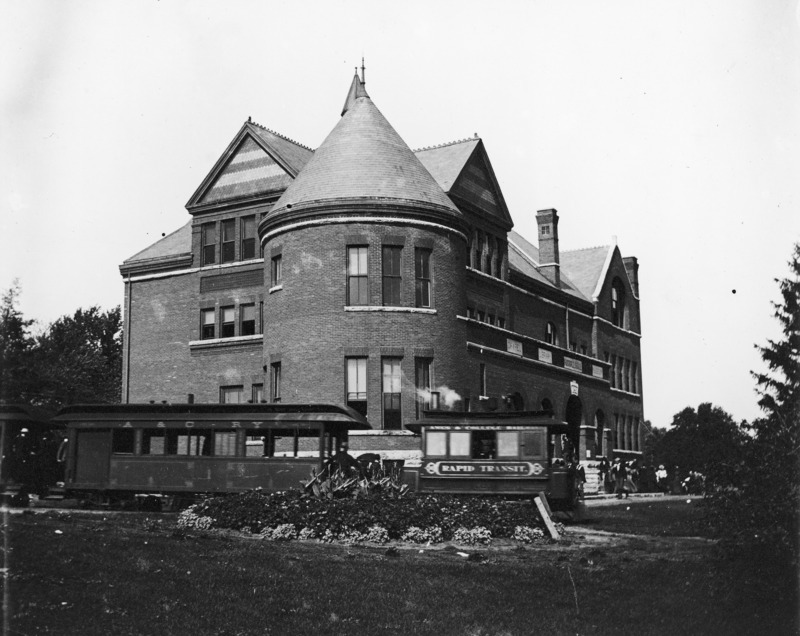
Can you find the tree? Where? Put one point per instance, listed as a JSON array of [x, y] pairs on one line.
[[704, 440], [759, 501], [16, 343], [779, 387], [78, 359], [652, 444]]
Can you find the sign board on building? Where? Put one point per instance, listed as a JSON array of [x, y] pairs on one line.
[[572, 363], [597, 371], [546, 356], [514, 346], [483, 469], [573, 387]]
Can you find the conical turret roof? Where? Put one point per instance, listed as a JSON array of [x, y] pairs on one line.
[[363, 160]]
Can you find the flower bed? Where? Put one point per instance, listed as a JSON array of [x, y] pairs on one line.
[[375, 518]]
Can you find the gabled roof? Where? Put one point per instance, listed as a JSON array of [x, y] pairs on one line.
[[258, 161], [177, 243], [363, 158], [294, 155], [463, 170], [587, 268], [523, 257], [446, 161]]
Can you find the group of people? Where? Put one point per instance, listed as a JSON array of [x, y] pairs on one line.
[[625, 477]]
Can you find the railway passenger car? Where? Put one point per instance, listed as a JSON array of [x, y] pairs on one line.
[[168, 449], [29, 443], [510, 453]]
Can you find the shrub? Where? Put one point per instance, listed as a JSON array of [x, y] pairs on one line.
[[377, 534], [190, 519], [526, 534], [474, 536], [418, 535], [284, 532]]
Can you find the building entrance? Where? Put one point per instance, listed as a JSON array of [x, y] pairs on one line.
[[574, 419]]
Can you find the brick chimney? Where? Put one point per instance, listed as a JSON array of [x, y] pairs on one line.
[[632, 268], [548, 245]]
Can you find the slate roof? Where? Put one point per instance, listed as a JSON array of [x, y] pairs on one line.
[[446, 161], [177, 243], [586, 267], [294, 154], [364, 158], [580, 269]]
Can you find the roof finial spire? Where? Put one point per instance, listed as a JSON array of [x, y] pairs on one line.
[[363, 68]]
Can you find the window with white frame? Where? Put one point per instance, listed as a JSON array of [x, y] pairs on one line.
[[356, 384], [227, 328], [207, 324], [248, 231], [357, 276], [392, 379]]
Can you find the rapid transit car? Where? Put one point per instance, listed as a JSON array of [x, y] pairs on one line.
[[512, 453], [120, 451]]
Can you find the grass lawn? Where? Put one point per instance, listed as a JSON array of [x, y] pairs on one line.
[[78, 573]]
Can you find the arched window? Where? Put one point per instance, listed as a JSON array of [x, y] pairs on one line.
[[618, 303], [550, 334], [547, 406]]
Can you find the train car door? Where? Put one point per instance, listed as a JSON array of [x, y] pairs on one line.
[[92, 453]]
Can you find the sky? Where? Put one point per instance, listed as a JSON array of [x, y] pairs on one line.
[[672, 127]]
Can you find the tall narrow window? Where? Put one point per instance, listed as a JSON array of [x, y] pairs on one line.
[[635, 378], [248, 249], [617, 303], [207, 321], [275, 382], [392, 381], [357, 280], [422, 275], [482, 379], [209, 240], [228, 251], [613, 373], [391, 275], [247, 315], [550, 334], [276, 271], [422, 381], [231, 394], [228, 325], [257, 395], [487, 266], [626, 374], [357, 384]]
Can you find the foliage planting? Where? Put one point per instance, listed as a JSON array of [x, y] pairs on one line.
[[375, 517]]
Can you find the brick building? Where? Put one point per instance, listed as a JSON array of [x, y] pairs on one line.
[[387, 279]]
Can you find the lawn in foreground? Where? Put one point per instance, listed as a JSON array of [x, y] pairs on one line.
[[133, 574]]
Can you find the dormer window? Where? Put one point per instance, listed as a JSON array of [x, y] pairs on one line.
[[545, 230]]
